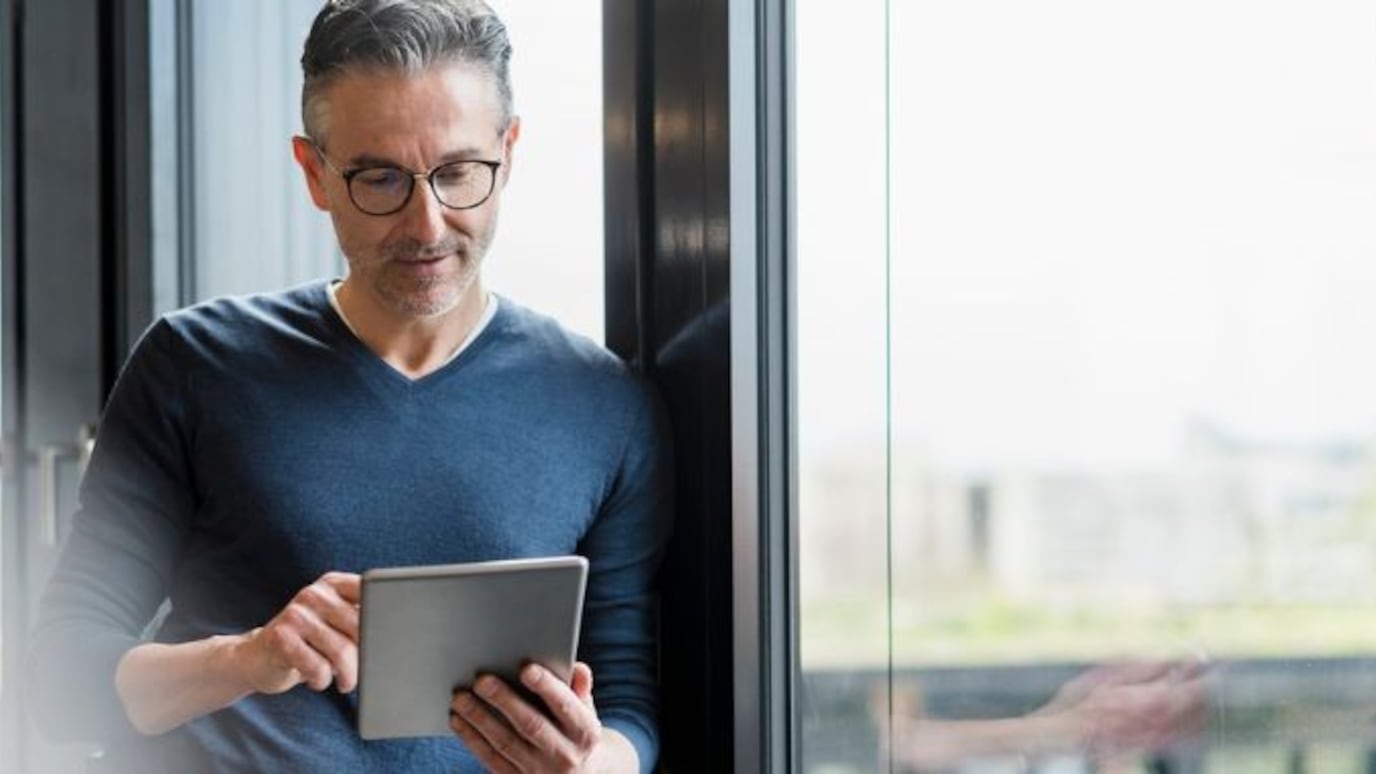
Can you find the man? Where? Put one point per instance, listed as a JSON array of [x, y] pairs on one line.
[[258, 453]]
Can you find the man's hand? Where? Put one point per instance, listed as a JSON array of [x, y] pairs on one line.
[[313, 640], [1124, 709], [1108, 713], [509, 735]]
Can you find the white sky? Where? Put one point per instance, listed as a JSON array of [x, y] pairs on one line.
[[1106, 218]]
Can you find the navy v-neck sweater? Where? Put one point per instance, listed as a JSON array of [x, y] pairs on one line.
[[251, 445]]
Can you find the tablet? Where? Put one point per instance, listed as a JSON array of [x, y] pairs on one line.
[[425, 630]]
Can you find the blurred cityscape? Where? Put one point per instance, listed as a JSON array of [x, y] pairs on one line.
[[988, 591], [1230, 525]]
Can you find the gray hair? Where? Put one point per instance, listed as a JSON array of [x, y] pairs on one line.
[[408, 36]]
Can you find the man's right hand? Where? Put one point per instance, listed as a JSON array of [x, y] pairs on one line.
[[313, 640]]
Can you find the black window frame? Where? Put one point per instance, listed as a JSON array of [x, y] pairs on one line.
[[700, 293]]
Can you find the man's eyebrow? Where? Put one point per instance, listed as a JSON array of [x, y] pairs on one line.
[[369, 160], [463, 154]]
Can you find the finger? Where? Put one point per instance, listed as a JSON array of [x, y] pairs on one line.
[[345, 663], [576, 716], [342, 654], [331, 606], [476, 744], [581, 682], [1129, 672], [548, 740], [347, 584], [289, 649], [1191, 669], [336, 648], [485, 719]]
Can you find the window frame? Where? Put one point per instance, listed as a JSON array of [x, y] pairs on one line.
[[700, 294]]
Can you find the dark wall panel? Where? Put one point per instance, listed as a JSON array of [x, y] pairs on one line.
[[667, 309]]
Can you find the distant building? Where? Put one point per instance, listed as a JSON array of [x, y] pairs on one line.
[[1229, 522]]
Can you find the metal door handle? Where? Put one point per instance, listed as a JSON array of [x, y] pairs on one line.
[[48, 458]]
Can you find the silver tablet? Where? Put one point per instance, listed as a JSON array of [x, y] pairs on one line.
[[426, 630]]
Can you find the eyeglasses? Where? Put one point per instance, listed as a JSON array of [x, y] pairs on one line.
[[384, 190]]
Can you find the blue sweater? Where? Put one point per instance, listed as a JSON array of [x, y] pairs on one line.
[[250, 445]]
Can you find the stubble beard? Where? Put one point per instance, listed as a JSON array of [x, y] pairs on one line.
[[421, 297]]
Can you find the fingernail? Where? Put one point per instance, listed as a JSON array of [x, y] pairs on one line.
[[486, 686], [464, 701], [531, 675]]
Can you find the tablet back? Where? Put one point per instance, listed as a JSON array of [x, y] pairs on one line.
[[426, 630]]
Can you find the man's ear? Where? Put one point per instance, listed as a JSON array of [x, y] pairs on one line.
[[311, 166], [509, 138]]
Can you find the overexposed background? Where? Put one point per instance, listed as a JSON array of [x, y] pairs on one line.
[[549, 248]]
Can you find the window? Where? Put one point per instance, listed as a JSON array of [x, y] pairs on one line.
[[1082, 296], [232, 214], [548, 254]]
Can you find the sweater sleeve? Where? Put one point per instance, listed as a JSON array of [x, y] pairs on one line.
[[113, 569], [620, 610]]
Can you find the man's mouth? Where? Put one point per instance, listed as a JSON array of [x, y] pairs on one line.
[[424, 259]]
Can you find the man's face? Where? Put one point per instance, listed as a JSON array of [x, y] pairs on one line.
[[422, 260]]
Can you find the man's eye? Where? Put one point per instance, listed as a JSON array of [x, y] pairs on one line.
[[381, 178], [454, 174]]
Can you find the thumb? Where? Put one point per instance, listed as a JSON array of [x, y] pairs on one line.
[[581, 683]]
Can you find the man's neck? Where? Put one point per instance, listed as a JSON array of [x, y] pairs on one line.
[[413, 346]]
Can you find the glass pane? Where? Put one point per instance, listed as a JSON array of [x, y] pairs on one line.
[[165, 153], [254, 227], [548, 254], [1129, 253], [842, 386]]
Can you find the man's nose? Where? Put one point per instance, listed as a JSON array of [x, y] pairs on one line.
[[424, 214]]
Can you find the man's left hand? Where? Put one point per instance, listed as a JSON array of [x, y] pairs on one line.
[[509, 735]]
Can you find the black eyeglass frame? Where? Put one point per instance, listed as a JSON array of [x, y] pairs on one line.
[[348, 176]]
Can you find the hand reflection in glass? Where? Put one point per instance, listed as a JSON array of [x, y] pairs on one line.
[[1109, 713]]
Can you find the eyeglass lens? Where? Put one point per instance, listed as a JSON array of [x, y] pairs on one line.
[[383, 190]]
